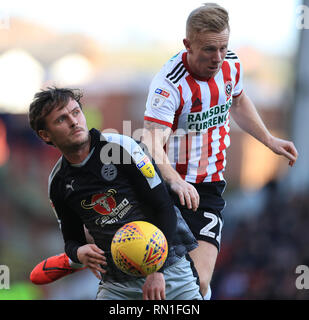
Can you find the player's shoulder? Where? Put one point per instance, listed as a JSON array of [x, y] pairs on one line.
[[131, 146], [117, 138], [56, 169], [232, 57], [173, 70], [136, 150]]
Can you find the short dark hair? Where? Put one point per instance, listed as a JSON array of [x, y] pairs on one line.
[[47, 100]]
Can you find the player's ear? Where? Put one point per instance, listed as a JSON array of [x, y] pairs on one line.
[[43, 134], [187, 45]]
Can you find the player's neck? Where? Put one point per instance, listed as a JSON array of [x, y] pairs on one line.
[[77, 154]]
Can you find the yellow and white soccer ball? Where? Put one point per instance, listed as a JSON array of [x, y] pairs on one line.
[[139, 248]]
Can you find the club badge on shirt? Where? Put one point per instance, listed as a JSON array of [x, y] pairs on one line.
[[109, 172], [228, 89]]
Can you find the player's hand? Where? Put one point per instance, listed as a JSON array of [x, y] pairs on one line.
[[92, 256], [154, 287], [285, 148], [187, 193]]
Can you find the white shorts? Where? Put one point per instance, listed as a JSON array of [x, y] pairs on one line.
[[180, 284]]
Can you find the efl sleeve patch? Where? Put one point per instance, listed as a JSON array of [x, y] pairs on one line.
[[146, 167], [158, 98], [163, 100], [144, 164]]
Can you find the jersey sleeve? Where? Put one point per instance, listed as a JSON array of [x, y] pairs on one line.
[[150, 186], [148, 183], [162, 101], [238, 87], [71, 225]]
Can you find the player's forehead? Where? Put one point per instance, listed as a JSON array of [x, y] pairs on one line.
[[63, 108], [69, 106], [213, 39]]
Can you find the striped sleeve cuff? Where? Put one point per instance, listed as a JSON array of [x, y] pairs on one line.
[[165, 123]]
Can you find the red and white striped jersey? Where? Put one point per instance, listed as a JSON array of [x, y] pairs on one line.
[[197, 110]]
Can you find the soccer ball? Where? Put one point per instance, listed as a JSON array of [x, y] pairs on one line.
[[139, 248]]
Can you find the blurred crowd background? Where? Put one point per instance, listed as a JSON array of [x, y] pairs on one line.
[[266, 218]]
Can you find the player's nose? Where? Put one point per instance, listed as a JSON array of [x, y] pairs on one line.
[[72, 121], [217, 57]]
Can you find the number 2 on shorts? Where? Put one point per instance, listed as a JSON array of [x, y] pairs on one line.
[[214, 221]]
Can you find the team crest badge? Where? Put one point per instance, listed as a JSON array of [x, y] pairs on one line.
[[109, 172], [228, 89]]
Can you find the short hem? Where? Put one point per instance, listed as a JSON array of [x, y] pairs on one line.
[[209, 240]]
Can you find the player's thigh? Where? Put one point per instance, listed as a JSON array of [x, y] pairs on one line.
[[206, 225], [129, 290], [181, 281], [204, 258], [207, 222]]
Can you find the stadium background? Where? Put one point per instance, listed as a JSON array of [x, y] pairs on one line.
[[265, 235]]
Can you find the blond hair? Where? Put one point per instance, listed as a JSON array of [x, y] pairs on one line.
[[209, 17]]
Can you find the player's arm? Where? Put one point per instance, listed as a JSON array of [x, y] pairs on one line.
[[246, 116], [155, 137], [154, 194], [76, 246], [154, 287]]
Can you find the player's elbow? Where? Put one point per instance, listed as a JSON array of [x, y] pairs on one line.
[[152, 142]]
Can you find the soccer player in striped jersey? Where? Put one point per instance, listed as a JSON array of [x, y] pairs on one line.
[[186, 127]]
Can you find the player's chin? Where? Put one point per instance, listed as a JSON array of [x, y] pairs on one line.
[[80, 138], [76, 143], [210, 72]]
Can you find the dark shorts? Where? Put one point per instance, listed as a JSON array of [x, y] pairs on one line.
[[206, 223]]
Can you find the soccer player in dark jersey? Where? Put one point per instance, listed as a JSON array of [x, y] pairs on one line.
[[101, 182]]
